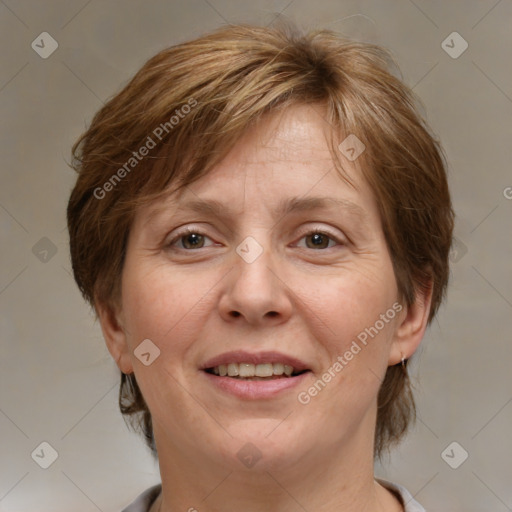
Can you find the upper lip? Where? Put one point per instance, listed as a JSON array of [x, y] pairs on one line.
[[241, 356]]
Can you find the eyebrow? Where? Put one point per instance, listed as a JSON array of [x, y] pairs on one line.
[[290, 205]]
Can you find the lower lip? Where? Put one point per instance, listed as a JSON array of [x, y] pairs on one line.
[[255, 389]]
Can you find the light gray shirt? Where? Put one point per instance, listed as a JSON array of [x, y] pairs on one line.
[[146, 499]]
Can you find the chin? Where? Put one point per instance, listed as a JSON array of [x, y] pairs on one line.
[[264, 444]]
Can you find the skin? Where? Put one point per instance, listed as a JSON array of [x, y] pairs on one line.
[[305, 301]]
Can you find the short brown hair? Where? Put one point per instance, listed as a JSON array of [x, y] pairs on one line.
[[229, 79]]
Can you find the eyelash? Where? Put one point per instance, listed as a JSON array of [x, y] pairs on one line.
[[189, 231]]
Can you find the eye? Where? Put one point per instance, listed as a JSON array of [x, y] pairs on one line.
[[320, 240], [189, 239], [192, 238]]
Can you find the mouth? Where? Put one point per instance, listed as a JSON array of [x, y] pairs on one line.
[[264, 375], [254, 372]]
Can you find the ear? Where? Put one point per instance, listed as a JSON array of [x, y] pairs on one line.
[[412, 325], [112, 326]]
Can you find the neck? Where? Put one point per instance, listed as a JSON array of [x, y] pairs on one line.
[[325, 480]]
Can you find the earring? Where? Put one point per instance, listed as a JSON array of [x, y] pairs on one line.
[[403, 361]]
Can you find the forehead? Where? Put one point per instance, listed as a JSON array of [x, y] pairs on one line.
[[285, 160]]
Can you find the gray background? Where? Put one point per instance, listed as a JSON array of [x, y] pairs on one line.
[[58, 383]]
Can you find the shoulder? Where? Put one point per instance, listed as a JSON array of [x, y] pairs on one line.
[[409, 503], [145, 500]]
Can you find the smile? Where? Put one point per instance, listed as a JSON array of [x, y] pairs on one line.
[[250, 371]]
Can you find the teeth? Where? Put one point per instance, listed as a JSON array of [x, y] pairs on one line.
[[278, 368], [248, 370], [264, 370], [233, 370]]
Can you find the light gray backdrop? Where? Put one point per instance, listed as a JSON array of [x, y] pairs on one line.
[[58, 383]]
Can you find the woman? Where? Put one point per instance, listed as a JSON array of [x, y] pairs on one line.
[[262, 224]]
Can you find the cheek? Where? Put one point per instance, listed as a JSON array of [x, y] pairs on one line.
[[168, 309], [359, 323], [351, 304], [359, 309], [164, 305]]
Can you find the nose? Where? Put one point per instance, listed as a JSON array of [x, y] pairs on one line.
[[256, 291]]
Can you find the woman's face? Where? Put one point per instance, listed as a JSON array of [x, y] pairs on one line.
[[272, 277]]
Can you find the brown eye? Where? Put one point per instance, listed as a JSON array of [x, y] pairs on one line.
[[192, 241], [319, 240], [189, 240]]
